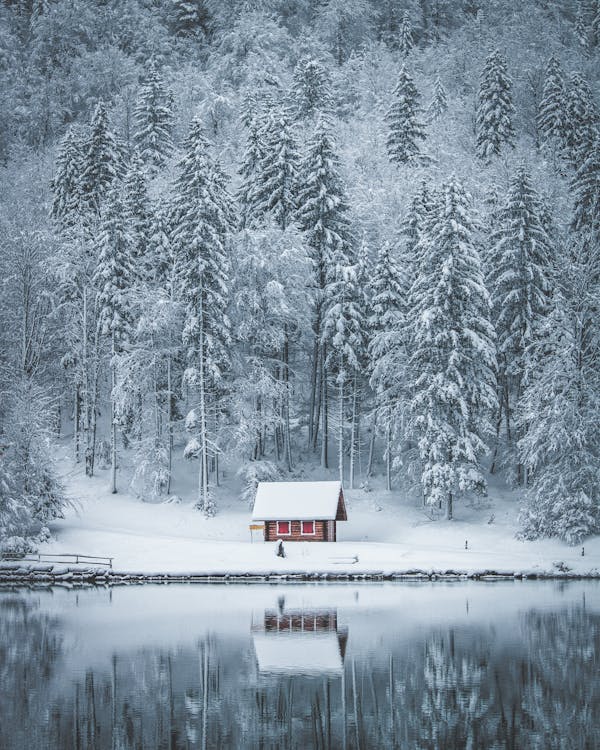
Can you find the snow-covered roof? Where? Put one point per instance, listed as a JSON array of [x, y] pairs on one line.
[[296, 501], [304, 653]]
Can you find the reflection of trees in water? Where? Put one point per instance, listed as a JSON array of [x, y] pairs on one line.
[[561, 696], [29, 649], [453, 688]]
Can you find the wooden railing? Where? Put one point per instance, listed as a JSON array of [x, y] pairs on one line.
[[64, 558]]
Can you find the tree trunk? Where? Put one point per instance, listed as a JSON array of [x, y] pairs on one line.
[[287, 442], [353, 433], [388, 453], [449, 507], [76, 424], [203, 475], [372, 446], [113, 420], [313, 416], [325, 419], [341, 425], [169, 424]]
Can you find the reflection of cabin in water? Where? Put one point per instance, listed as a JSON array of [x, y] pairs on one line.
[[300, 642], [299, 511]]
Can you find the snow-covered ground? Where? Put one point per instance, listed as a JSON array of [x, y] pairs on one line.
[[386, 531]]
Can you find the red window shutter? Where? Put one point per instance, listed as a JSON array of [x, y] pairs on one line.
[[283, 527], [308, 527]]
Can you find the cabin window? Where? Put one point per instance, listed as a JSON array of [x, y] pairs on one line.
[[283, 527], [308, 527]]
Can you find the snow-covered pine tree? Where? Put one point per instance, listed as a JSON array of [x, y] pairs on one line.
[[343, 336], [550, 116], [311, 89], [323, 216], [453, 355], [560, 406], [66, 183], [190, 17], [581, 120], [138, 215], [403, 118], [585, 188], [101, 162], [276, 185], [580, 27], [520, 270], [153, 116], [114, 280], [439, 102], [202, 219], [493, 123], [249, 171], [405, 36], [387, 350]]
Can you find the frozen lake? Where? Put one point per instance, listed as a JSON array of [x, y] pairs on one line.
[[435, 665]]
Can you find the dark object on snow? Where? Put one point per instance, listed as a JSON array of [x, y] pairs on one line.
[[466, 544], [583, 551], [280, 550]]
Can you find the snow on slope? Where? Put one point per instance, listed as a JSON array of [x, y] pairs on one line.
[[386, 531]]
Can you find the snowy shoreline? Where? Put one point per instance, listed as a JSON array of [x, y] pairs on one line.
[[11, 573]]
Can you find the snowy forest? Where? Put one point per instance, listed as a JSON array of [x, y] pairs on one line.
[[356, 235]]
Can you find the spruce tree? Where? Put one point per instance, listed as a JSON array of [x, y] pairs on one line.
[[138, 212], [153, 118], [405, 36], [343, 334], [581, 120], [66, 183], [585, 188], [311, 89], [403, 119], [560, 409], [250, 170], [114, 280], [101, 163], [276, 181], [323, 216], [520, 280], [202, 219], [439, 103], [493, 124], [550, 116], [453, 358], [386, 347]]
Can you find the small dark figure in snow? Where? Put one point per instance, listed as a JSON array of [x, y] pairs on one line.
[[280, 550]]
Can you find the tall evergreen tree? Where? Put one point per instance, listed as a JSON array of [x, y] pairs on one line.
[[311, 89], [453, 356], [250, 169], [153, 117], [405, 36], [387, 344], [560, 408], [581, 120], [323, 216], [276, 185], [66, 183], [585, 188], [343, 335], [439, 102], [102, 164], [403, 119], [550, 116], [520, 282], [202, 221], [138, 212], [114, 280], [494, 126]]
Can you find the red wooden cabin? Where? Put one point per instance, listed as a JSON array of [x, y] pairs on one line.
[[299, 511]]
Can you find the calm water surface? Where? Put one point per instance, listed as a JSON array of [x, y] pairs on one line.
[[462, 665]]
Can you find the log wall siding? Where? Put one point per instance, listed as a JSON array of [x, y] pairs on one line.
[[321, 532]]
